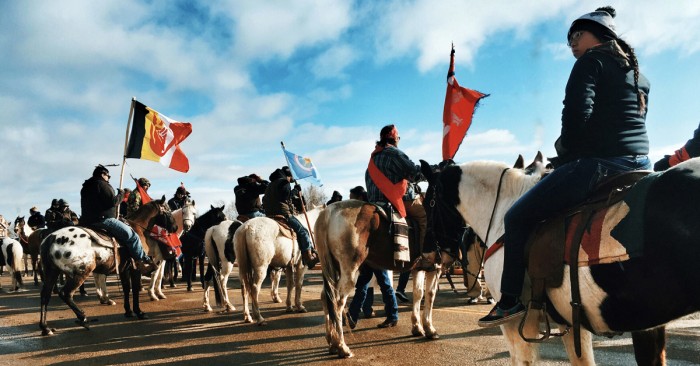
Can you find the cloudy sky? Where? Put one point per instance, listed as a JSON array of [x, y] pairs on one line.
[[322, 76]]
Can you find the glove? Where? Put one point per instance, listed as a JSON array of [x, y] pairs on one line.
[[662, 164]]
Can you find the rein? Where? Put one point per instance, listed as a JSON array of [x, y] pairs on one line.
[[495, 203]]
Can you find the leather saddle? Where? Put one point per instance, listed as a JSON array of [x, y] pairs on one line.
[[545, 251], [285, 229], [101, 237]]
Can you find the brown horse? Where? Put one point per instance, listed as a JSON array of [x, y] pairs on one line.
[[349, 233], [72, 251]]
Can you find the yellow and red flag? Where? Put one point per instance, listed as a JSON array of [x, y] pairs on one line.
[[460, 104], [156, 137]]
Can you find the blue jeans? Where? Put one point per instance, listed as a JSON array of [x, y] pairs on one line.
[[563, 188], [253, 214], [125, 235], [391, 307], [302, 234]]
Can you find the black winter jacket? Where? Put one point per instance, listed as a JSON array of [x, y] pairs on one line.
[[97, 201], [601, 113]]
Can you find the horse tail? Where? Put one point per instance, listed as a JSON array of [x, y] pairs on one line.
[[329, 268], [229, 253], [14, 258], [240, 245]]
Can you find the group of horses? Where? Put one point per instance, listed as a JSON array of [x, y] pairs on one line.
[[614, 297]]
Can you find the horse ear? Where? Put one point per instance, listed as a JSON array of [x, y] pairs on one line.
[[212, 206], [222, 207], [162, 199], [538, 159], [427, 170], [192, 202], [520, 163]]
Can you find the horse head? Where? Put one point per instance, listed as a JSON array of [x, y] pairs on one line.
[[214, 216], [189, 214], [445, 224], [155, 212]]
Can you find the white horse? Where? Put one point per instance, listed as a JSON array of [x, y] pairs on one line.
[[184, 218], [260, 243], [22, 232], [11, 255], [218, 245]]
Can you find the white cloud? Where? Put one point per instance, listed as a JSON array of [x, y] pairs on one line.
[[331, 63]]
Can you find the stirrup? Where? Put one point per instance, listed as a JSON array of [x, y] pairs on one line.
[[547, 332]]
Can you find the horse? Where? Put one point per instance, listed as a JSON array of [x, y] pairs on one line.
[[218, 245], [614, 296], [352, 232], [261, 243], [10, 256], [193, 240], [71, 250], [23, 231], [184, 219]]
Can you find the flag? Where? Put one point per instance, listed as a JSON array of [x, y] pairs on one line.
[[301, 167], [145, 198], [460, 104], [156, 137]]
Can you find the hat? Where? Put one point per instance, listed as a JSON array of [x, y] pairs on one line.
[[34, 209], [245, 180], [54, 202], [358, 190], [99, 170], [143, 182], [277, 174], [287, 171], [337, 194], [62, 202], [600, 23], [181, 189]]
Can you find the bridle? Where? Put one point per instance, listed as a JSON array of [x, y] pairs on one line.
[[495, 204], [449, 214]]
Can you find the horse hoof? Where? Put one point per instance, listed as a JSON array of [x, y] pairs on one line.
[[207, 309], [262, 323], [432, 336], [83, 323], [302, 310], [162, 297], [108, 302], [141, 315], [47, 332], [189, 289], [289, 310], [417, 332], [344, 354]]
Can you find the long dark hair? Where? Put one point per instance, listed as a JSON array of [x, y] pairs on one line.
[[635, 66]]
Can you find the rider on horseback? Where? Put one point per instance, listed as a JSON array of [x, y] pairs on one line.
[[98, 204], [36, 219], [278, 202], [134, 201], [397, 170], [248, 193], [179, 199], [603, 134]]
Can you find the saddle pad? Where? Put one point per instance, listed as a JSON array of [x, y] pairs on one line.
[[400, 235], [285, 230], [100, 238]]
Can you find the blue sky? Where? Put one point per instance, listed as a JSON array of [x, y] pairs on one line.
[[322, 76]]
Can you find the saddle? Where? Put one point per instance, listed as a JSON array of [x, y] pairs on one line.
[[558, 240], [285, 229], [101, 237]]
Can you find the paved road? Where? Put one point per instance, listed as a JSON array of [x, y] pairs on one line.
[[180, 333]]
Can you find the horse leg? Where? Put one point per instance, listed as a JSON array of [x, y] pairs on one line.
[[224, 287], [49, 283], [25, 257], [431, 284], [154, 291], [650, 346], [66, 294], [101, 289], [418, 292], [289, 280], [201, 269], [135, 277], [346, 285], [298, 283], [189, 271], [257, 280], [521, 352], [275, 278], [124, 274], [35, 269], [587, 357]]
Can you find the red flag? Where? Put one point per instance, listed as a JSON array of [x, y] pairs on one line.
[[145, 198], [457, 116]]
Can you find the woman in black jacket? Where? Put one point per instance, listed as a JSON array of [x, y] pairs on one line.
[[603, 133]]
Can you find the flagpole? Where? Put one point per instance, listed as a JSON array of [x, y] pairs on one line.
[[126, 144], [301, 198]]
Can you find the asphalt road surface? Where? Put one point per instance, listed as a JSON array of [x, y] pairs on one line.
[[179, 332]]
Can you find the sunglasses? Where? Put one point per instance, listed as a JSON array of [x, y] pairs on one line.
[[575, 37]]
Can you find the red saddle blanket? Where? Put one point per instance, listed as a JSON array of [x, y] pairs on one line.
[[169, 239]]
